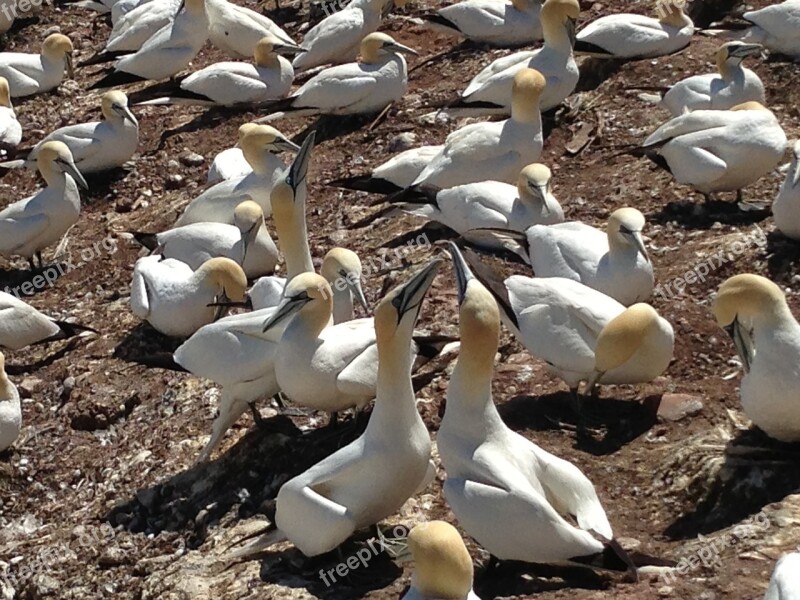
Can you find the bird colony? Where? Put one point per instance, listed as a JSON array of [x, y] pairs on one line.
[[536, 181]]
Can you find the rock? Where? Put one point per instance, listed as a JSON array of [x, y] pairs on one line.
[[28, 386], [191, 159], [174, 181], [403, 141], [675, 407]]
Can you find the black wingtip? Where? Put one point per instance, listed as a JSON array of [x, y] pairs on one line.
[[492, 281], [437, 19], [102, 58], [612, 558], [366, 183], [589, 48], [148, 240], [416, 194], [114, 79]]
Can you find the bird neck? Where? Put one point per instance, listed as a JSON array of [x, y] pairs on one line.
[[526, 110], [728, 67], [675, 17], [342, 304], [54, 177], [395, 405], [268, 61], [6, 387], [293, 240], [555, 35], [312, 319]]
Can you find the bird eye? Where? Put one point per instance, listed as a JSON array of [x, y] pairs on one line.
[[625, 230]]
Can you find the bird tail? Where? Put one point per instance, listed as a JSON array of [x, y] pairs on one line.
[[461, 107], [17, 163], [197, 100], [499, 240], [67, 331], [159, 360], [114, 79], [440, 23], [365, 183], [422, 194], [102, 58], [148, 240]]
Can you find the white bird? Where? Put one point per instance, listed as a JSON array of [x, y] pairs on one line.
[[176, 300], [515, 499], [10, 409], [442, 565], [29, 226], [731, 85], [372, 477], [785, 581], [395, 174], [21, 325], [496, 150], [776, 26], [486, 204], [216, 204], [582, 334], [137, 26], [786, 207], [247, 242], [614, 262], [166, 53], [337, 38], [500, 23], [342, 269], [232, 83], [632, 36], [237, 29], [718, 150], [231, 163], [10, 128], [30, 74], [380, 79], [753, 310], [490, 91], [98, 145]]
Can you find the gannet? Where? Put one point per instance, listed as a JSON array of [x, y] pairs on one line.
[[29, 226], [614, 262], [231, 163], [175, 299], [133, 29], [232, 83], [718, 150], [786, 208], [167, 52], [487, 204], [29, 74], [372, 477], [776, 27], [353, 88], [397, 173], [785, 581], [582, 334], [489, 92], [631, 36], [518, 501], [217, 203], [442, 565], [247, 242], [237, 29], [754, 312], [337, 38], [10, 409], [10, 128], [21, 325], [98, 145], [731, 85], [505, 24], [342, 270], [497, 150]]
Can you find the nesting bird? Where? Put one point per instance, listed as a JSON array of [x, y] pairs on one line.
[[380, 79], [236, 30], [29, 226], [231, 163], [718, 150], [442, 565], [10, 128], [776, 26], [753, 310], [395, 174], [21, 325], [505, 24], [98, 145], [490, 91], [731, 85], [785, 581], [786, 207], [134, 28], [494, 150], [176, 300], [29, 74], [631, 36], [10, 409]]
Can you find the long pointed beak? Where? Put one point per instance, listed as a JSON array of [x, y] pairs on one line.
[[638, 241], [285, 145], [746, 50], [397, 47], [70, 66], [741, 341], [357, 291], [285, 309], [413, 291], [299, 168], [287, 50], [794, 172], [71, 170], [571, 26], [463, 272], [248, 238], [126, 113]]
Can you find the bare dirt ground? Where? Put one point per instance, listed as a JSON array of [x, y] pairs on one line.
[[99, 499]]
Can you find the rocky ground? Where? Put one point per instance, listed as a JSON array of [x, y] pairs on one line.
[[99, 498]]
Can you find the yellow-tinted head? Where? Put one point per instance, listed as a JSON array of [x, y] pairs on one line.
[[246, 128], [750, 106], [56, 46], [623, 335], [308, 294], [748, 297], [248, 215], [258, 139], [526, 91], [227, 275], [5, 93], [559, 16], [375, 45], [534, 180], [115, 105], [342, 268], [442, 565]]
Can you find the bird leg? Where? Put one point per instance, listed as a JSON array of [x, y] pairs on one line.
[[259, 420]]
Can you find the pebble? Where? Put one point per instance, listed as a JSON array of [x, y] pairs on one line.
[[675, 407], [192, 159]]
